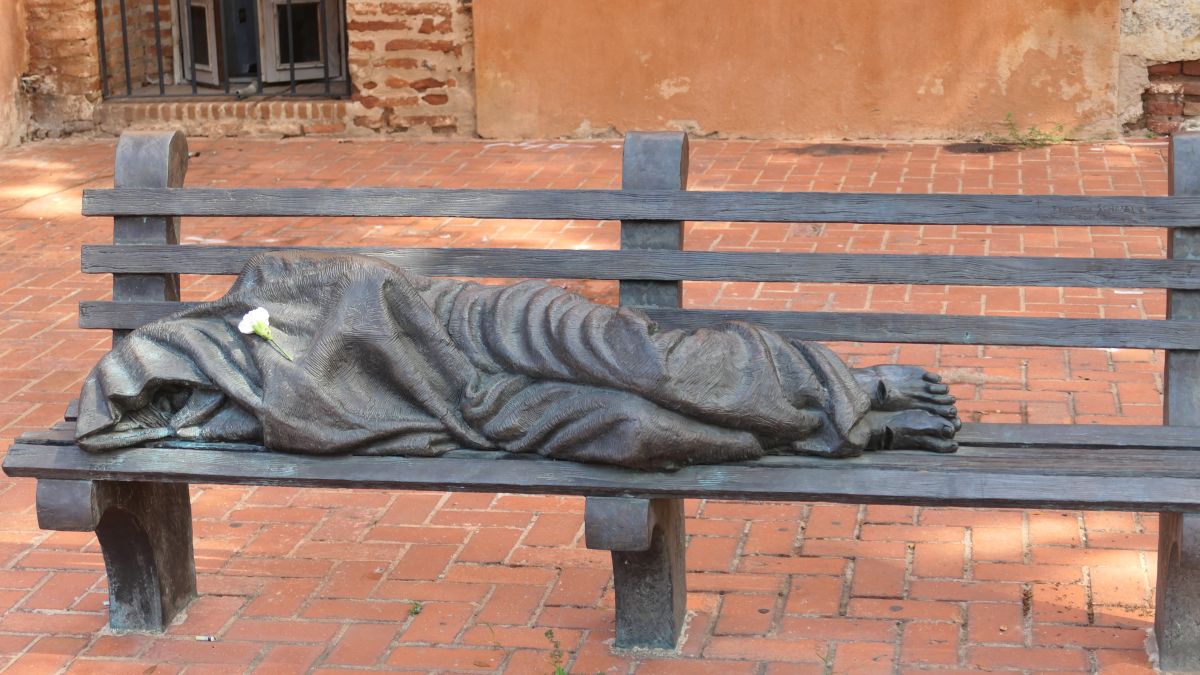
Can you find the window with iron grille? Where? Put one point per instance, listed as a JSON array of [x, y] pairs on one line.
[[153, 48]]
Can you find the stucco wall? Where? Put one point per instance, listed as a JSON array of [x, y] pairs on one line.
[[14, 57], [783, 68]]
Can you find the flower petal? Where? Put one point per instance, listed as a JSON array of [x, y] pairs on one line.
[[257, 321]]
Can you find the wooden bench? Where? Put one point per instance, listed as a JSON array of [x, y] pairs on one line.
[[136, 500]]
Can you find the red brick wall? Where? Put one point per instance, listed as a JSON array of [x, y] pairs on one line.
[[64, 69], [248, 117], [412, 65], [143, 62], [1173, 96]]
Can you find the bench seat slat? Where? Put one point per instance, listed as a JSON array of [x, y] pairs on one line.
[[979, 435], [1072, 461], [685, 265], [1100, 461], [786, 207], [1080, 435], [928, 481], [831, 326]]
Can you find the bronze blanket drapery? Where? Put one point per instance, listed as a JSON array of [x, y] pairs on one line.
[[390, 362]]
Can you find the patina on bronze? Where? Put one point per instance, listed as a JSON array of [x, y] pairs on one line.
[[392, 363]]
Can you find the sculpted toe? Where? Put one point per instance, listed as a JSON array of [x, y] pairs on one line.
[[943, 446]]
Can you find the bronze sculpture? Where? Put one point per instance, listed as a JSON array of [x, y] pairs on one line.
[[389, 362]]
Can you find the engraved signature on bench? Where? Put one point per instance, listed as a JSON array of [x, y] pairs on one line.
[[1099, 210]]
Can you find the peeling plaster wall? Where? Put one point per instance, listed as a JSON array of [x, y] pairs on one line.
[[1153, 31], [14, 58], [1161, 30], [782, 68]]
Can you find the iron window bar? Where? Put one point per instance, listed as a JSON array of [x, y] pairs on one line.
[[191, 57], [103, 51], [345, 40], [291, 47], [154, 79], [162, 85], [125, 48], [217, 19], [324, 47]]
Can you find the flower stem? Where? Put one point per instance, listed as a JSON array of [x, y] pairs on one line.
[[280, 349]]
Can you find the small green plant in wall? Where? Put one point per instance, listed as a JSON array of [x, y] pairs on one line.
[[1031, 137]]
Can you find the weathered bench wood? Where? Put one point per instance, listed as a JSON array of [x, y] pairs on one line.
[[651, 204], [667, 265], [1120, 479], [1177, 596], [649, 578], [145, 534], [136, 498], [849, 327]]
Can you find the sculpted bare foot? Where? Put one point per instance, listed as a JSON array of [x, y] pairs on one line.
[[911, 430], [898, 388]]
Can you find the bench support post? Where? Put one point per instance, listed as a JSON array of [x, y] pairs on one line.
[[145, 529], [646, 537], [1177, 601], [1177, 597], [145, 534], [154, 159]]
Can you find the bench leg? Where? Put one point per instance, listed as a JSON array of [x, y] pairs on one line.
[[1177, 599], [646, 537], [145, 534]]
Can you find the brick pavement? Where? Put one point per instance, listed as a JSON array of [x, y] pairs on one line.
[[343, 581]]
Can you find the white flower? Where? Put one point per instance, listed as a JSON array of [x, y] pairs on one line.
[[258, 322]]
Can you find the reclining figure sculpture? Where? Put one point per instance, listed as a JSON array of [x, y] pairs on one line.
[[392, 363]]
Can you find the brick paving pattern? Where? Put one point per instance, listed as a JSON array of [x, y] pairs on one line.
[[297, 580]]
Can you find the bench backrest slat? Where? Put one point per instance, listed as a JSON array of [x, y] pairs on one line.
[[833, 327], [861, 268], [663, 205]]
